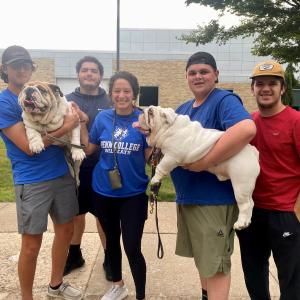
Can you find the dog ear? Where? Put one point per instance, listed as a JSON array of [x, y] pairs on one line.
[[169, 114], [55, 88]]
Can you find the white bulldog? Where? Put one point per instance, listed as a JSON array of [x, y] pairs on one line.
[[192, 142], [44, 108]]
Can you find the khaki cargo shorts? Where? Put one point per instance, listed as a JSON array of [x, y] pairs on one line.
[[205, 232]]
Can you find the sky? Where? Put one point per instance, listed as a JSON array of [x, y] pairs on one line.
[[91, 24]]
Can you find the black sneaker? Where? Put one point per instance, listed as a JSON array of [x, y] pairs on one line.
[[107, 271], [73, 263]]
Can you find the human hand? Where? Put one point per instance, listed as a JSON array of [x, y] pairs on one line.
[[82, 115], [71, 120]]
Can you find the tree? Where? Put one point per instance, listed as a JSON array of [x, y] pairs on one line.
[[274, 24], [291, 83]]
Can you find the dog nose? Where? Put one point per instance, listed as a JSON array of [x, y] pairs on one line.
[[29, 92]]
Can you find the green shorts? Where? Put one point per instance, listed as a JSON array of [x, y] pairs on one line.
[[206, 233]]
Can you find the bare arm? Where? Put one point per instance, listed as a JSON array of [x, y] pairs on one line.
[[297, 208], [17, 134], [84, 137], [231, 142]]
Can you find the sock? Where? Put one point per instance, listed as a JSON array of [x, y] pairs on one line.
[[204, 295], [55, 287], [74, 250]]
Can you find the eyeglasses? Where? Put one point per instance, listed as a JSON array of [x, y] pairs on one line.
[[18, 65]]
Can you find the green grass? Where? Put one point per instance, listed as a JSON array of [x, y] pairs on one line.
[[166, 192], [6, 182]]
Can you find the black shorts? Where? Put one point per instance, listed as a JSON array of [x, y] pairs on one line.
[[85, 191]]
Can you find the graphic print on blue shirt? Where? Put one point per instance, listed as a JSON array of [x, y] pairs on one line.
[[130, 146]]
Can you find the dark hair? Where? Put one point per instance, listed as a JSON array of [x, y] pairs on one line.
[[282, 82], [3, 74], [130, 78], [90, 59]]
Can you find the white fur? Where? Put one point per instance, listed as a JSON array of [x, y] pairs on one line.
[[183, 141]]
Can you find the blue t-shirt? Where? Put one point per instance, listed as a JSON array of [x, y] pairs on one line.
[[221, 110], [130, 147], [48, 164]]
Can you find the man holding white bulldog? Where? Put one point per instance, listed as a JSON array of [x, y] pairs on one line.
[[42, 181], [275, 226], [206, 207]]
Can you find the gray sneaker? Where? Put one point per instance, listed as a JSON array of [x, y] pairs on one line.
[[65, 291], [116, 292]]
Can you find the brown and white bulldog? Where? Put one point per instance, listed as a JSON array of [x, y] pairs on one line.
[[44, 107], [166, 129]]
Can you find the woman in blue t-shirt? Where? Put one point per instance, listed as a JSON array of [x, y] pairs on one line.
[[119, 182]]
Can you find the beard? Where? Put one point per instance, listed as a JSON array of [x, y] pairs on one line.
[[89, 86], [268, 105]]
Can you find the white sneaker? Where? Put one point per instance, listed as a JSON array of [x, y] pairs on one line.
[[116, 292], [65, 291]]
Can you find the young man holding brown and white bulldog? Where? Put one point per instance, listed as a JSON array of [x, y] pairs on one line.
[[43, 184], [275, 226], [91, 99], [206, 207]]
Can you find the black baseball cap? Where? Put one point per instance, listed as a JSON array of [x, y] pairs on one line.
[[201, 58], [15, 53]]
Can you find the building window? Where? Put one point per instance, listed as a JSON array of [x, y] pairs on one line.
[[148, 96]]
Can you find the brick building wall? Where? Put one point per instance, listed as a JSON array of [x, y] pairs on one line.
[[169, 76], [45, 71]]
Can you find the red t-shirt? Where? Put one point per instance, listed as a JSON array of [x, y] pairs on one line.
[[278, 143]]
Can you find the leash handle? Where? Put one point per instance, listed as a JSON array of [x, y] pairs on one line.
[[153, 196], [160, 248]]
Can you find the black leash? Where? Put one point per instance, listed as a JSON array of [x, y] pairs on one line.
[[63, 141], [154, 189]]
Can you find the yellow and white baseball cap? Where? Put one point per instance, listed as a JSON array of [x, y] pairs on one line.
[[268, 68]]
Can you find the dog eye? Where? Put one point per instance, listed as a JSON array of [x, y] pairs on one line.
[[43, 91]]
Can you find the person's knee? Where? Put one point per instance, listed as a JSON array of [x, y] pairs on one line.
[[31, 246], [64, 231]]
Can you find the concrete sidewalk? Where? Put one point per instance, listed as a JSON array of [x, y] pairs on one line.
[[172, 277]]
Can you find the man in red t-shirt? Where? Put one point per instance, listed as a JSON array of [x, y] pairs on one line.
[[275, 226]]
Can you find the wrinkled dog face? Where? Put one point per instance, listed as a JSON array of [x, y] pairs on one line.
[[155, 119], [37, 98], [146, 119]]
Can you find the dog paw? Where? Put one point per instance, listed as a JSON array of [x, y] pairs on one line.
[[77, 154], [154, 181], [242, 222], [36, 146]]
